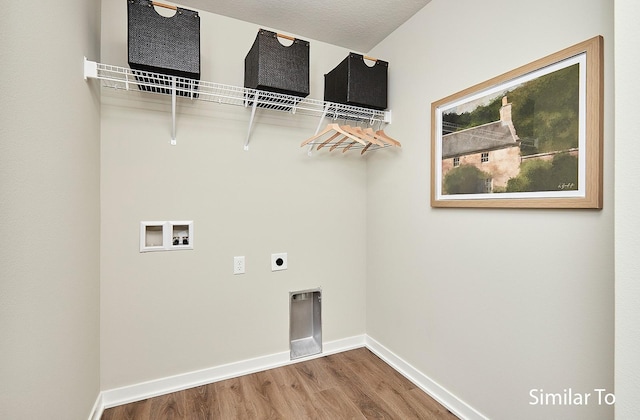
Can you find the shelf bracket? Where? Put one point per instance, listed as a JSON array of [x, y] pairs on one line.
[[253, 113], [324, 114], [173, 110]]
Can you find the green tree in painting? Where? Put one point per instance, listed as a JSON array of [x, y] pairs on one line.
[[480, 115], [547, 109], [465, 179], [561, 173]]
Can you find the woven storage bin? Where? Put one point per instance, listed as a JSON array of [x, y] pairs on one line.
[[353, 82], [273, 67], [166, 45]]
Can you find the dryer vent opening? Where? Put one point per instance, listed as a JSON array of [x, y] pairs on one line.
[[305, 323]]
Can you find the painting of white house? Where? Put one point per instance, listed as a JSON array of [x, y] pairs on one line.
[[522, 138]]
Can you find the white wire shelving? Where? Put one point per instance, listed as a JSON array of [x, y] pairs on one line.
[[127, 79]]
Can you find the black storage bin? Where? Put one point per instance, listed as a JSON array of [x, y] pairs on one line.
[[166, 45], [353, 82], [273, 67]]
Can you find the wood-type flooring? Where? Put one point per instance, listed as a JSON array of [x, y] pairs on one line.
[[355, 384]]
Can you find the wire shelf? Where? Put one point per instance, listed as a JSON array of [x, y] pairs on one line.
[[124, 78]]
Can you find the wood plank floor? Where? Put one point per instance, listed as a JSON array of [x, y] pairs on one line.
[[351, 385]]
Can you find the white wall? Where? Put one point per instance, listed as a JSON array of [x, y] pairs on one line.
[[170, 313], [49, 211], [489, 332], [627, 229], [492, 303]]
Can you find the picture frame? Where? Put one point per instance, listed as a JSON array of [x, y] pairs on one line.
[[529, 138]]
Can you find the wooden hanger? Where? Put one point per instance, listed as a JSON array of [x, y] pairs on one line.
[[370, 136], [366, 148], [349, 146], [364, 136], [334, 127], [351, 136], [316, 136], [384, 137], [338, 143], [327, 141], [357, 131], [383, 141]]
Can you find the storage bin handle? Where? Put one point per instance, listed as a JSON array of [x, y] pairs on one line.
[[166, 6], [290, 38], [366, 57]]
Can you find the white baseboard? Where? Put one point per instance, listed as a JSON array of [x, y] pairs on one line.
[[98, 409], [141, 391], [144, 390], [437, 392]]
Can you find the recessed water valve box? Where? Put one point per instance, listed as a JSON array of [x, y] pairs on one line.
[[151, 236], [166, 236]]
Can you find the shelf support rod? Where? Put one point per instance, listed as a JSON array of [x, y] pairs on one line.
[[253, 113], [173, 110], [324, 114]]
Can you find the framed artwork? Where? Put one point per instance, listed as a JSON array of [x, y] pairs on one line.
[[530, 138]]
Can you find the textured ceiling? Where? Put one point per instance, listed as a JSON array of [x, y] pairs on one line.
[[357, 25]]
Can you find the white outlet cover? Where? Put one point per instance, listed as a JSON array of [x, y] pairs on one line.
[[238, 265], [279, 261]]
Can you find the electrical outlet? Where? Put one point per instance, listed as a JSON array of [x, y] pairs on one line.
[[238, 265], [279, 261]]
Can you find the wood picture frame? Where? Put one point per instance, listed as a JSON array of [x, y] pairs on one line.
[[529, 138]]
